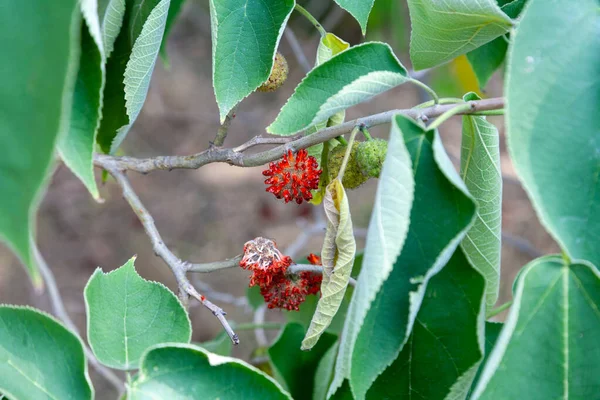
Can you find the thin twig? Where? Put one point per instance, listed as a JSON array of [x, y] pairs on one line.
[[177, 266], [224, 128], [62, 314], [221, 297], [294, 143], [290, 36], [213, 266]]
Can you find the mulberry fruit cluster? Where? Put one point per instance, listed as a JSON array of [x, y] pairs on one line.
[[293, 177], [269, 267]]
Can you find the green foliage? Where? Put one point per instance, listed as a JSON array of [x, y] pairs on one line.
[[552, 321], [39, 358], [177, 371], [359, 9], [480, 170], [127, 315], [292, 366], [442, 31], [110, 13], [337, 256], [386, 234], [39, 63], [448, 333], [351, 77], [245, 39], [324, 372], [220, 345], [174, 11], [129, 69], [553, 119]]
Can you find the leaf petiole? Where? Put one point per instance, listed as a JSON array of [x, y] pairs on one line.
[[348, 152], [312, 19]]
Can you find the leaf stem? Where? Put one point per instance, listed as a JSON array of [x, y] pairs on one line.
[[498, 310], [443, 100], [342, 140], [312, 19], [460, 108], [348, 152], [432, 93], [366, 134], [490, 112]]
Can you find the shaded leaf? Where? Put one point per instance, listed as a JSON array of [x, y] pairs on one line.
[[337, 256], [359, 9], [552, 115], [245, 37], [294, 367], [178, 371], [448, 333], [442, 31], [41, 53], [127, 314], [40, 358], [220, 345], [492, 331], [480, 170], [324, 373], [549, 337], [351, 77]]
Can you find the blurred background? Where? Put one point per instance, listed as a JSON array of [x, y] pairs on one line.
[[208, 214]]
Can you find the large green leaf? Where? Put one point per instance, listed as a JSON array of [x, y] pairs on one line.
[[553, 124], [179, 371], [351, 77], [337, 256], [441, 214], [480, 170], [548, 347], [39, 358], [127, 314], [294, 367], [39, 64], [448, 333], [492, 331], [129, 69], [360, 10], [245, 36], [324, 372], [444, 30], [77, 146], [111, 13], [387, 231]]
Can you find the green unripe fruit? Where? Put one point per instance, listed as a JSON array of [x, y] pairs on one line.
[[353, 176], [370, 157], [279, 74]]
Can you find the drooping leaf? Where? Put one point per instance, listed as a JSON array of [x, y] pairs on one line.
[[39, 358], [111, 13], [549, 343], [448, 333], [174, 11], [245, 36], [77, 146], [351, 77], [296, 368], [444, 30], [220, 345], [337, 256], [441, 214], [183, 371], [129, 69], [359, 9], [553, 124], [127, 314], [480, 170], [324, 372], [39, 64], [387, 231]]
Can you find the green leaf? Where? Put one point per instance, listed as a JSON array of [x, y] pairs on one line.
[[111, 13], [183, 371], [254, 297], [41, 53], [330, 45], [174, 11], [485, 60], [359, 9], [552, 119], [448, 333], [294, 367], [324, 373], [220, 345], [480, 170], [441, 214], [337, 256], [444, 30], [127, 314], [40, 358], [351, 77], [387, 231], [492, 331], [129, 69], [245, 37], [549, 343], [77, 146]]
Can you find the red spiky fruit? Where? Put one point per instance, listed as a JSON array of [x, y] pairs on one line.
[[293, 177]]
